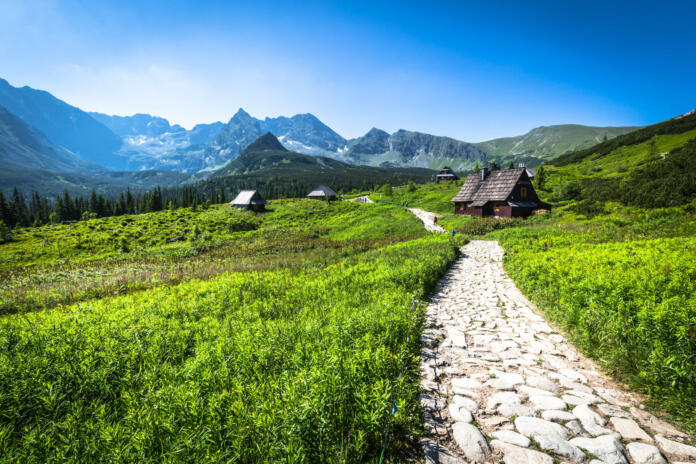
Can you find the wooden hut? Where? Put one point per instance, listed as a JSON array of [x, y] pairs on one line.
[[446, 174], [322, 192], [507, 193], [249, 199]]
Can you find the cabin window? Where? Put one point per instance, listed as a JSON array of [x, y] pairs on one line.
[[523, 192]]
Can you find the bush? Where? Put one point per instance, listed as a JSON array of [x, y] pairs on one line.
[[5, 233]]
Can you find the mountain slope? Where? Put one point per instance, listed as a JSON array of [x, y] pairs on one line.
[[547, 142], [52, 184], [63, 124], [651, 167], [23, 147], [415, 149], [266, 165], [376, 141], [138, 124], [267, 153], [151, 142], [303, 133]]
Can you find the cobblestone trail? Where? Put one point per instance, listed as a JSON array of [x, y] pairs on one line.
[[429, 220], [502, 386]]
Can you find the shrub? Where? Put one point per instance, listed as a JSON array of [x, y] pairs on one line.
[[5, 233]]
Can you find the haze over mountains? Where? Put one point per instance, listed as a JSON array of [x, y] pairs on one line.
[[42, 133]]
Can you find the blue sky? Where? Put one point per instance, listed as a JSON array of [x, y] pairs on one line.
[[470, 70]]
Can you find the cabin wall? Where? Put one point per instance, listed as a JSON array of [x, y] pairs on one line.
[[522, 212], [461, 209], [502, 211]]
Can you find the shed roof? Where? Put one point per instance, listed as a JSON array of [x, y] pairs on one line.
[[321, 191], [248, 197], [497, 186]]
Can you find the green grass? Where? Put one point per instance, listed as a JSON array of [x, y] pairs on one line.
[[623, 284], [50, 265], [274, 366]]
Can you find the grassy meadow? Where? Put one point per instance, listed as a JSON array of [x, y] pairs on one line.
[[270, 366], [219, 335], [61, 264]]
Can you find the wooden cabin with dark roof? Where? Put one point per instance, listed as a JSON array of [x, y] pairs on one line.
[[249, 199], [322, 192], [504, 194], [446, 174]]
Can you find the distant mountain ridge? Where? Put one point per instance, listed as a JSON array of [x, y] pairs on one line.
[[267, 153], [303, 133], [138, 124], [63, 124], [23, 147], [151, 142], [548, 142], [413, 149], [268, 166], [143, 142]]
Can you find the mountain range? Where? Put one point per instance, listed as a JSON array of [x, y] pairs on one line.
[[58, 137]]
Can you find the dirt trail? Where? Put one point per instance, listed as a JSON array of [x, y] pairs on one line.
[[501, 385], [429, 220], [362, 199]]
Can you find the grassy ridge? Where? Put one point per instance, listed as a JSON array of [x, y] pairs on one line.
[[624, 286], [253, 367], [650, 168]]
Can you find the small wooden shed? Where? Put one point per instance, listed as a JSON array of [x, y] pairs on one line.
[[322, 192], [446, 174], [249, 199]]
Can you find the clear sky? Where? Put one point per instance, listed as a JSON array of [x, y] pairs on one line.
[[471, 70]]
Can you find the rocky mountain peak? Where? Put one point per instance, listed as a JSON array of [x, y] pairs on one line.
[[267, 142]]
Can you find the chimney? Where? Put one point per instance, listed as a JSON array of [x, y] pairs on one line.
[[484, 173]]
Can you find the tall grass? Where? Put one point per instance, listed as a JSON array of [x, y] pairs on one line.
[[630, 304], [274, 366]]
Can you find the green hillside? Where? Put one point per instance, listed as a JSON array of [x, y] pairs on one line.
[[652, 167], [547, 142]]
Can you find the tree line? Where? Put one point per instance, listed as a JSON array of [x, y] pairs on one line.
[[37, 210], [18, 211]]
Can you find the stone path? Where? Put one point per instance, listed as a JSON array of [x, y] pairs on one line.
[[502, 386], [429, 220]]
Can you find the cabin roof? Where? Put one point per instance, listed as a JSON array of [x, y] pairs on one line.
[[469, 189], [497, 186], [321, 191], [447, 172], [248, 197]]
